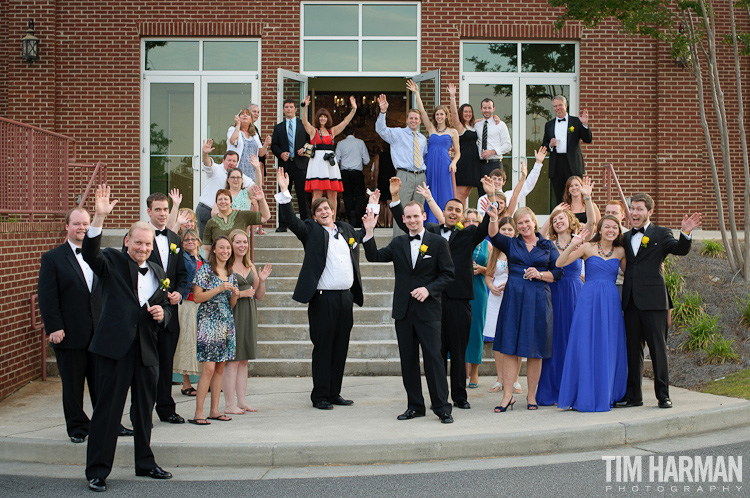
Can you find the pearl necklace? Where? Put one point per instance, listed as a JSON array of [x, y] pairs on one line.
[[601, 252]]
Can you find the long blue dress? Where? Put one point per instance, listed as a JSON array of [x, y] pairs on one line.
[[478, 308], [437, 174], [595, 372], [564, 299], [525, 321]]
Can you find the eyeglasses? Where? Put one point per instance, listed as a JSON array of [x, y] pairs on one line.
[[189, 240]]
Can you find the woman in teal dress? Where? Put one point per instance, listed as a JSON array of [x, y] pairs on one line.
[[478, 305]]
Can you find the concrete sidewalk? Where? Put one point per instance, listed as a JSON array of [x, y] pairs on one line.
[[287, 431]]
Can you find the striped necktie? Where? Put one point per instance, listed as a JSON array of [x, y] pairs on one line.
[[484, 136], [417, 153], [290, 138]]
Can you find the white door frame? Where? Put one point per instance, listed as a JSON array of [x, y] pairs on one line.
[[283, 74]]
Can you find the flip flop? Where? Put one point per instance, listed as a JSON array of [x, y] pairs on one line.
[[473, 385], [517, 388], [221, 418], [496, 388], [190, 391], [199, 421]]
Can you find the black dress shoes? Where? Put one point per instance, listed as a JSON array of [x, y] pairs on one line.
[[77, 439], [97, 484], [173, 419], [155, 473], [627, 403], [409, 414], [446, 418], [665, 403], [322, 405], [124, 432], [464, 405], [281, 229], [338, 400]]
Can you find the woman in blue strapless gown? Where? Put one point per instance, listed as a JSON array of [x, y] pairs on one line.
[[440, 167], [594, 373]]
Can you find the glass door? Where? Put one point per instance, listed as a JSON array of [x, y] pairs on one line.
[[222, 97], [429, 90], [291, 86], [171, 151]]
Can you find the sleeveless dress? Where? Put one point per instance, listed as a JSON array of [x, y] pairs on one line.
[[468, 172], [321, 175], [215, 327], [250, 148], [493, 302], [245, 321], [478, 308], [595, 372], [437, 174], [564, 299]]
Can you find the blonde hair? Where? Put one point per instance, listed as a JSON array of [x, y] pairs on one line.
[[233, 235], [573, 224], [525, 211], [447, 112], [140, 225]]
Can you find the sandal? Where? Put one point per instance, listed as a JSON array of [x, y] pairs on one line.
[[473, 385], [517, 388], [190, 391], [496, 388], [260, 231], [531, 406], [221, 418], [199, 421]]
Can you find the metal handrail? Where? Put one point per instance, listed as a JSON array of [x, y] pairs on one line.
[[611, 177]]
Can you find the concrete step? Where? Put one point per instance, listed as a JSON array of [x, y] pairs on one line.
[[287, 284], [373, 350], [289, 240], [360, 332], [293, 316], [366, 269], [283, 367], [284, 300]]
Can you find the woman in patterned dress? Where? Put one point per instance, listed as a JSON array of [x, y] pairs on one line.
[[216, 291]]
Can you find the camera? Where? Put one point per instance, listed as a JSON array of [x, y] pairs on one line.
[[331, 158]]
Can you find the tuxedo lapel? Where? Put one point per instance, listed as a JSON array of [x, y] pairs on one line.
[[155, 255], [71, 258], [406, 246], [628, 243], [133, 270]]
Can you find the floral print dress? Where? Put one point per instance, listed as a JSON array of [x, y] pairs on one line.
[[215, 331]]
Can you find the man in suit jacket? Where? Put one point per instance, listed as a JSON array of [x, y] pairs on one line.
[[424, 269], [329, 282], [562, 137], [287, 143], [166, 253], [456, 299], [644, 296], [70, 300], [134, 299]]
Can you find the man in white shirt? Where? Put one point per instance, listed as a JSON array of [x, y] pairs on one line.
[[498, 177], [494, 139], [216, 179], [352, 155]]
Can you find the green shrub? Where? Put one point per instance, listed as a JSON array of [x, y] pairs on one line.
[[701, 332], [712, 249], [675, 283], [744, 311], [721, 351], [688, 307]]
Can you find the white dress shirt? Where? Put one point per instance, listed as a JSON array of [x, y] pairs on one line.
[[88, 273], [446, 234], [338, 273], [162, 245], [216, 179], [528, 186], [498, 138], [635, 241], [414, 246], [352, 154], [561, 134]]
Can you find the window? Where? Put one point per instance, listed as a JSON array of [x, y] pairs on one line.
[[488, 57], [360, 37], [234, 55]]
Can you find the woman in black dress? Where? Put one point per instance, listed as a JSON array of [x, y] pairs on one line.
[[468, 173]]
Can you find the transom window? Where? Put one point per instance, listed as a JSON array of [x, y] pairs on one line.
[[201, 55], [504, 57], [361, 38]]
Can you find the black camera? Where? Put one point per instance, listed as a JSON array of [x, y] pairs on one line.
[[331, 158]]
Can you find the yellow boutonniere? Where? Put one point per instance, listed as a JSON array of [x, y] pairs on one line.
[[571, 129], [644, 241], [164, 284], [423, 249], [459, 226], [352, 242], [173, 248]]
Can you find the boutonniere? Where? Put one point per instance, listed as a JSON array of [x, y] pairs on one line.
[[459, 226], [423, 249], [173, 248], [644, 241], [572, 129], [164, 284], [352, 243]]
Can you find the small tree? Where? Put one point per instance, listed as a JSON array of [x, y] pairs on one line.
[[689, 28]]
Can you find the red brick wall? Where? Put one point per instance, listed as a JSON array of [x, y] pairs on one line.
[[21, 247], [87, 85]]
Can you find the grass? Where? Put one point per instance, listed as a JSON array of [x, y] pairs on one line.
[[675, 283], [721, 351], [745, 311], [701, 331], [736, 385], [688, 307], [712, 249]]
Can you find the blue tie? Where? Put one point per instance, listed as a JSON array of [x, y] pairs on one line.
[[290, 137]]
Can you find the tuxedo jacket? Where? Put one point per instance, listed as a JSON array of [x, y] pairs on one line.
[[64, 298], [176, 273], [280, 144], [122, 315], [462, 244], [575, 156], [315, 240], [644, 279], [433, 270]]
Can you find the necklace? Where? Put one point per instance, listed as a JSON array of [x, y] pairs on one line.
[[441, 131], [601, 252], [557, 244]]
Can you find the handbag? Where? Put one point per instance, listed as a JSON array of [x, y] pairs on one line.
[[308, 150]]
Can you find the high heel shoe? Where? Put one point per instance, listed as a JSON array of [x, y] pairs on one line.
[[531, 406], [501, 409]]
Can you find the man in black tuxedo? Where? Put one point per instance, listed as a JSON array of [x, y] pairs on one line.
[[562, 137], [644, 296], [424, 269], [166, 253], [456, 299], [134, 309], [70, 300], [287, 143], [329, 282]]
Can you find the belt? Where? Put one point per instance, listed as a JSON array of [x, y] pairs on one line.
[[410, 171], [488, 161], [321, 291], [201, 204]]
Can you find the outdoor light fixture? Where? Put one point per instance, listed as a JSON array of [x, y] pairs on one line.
[[30, 44]]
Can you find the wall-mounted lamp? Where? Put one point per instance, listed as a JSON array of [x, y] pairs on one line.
[[30, 48]]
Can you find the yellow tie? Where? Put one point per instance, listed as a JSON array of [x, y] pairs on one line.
[[417, 153]]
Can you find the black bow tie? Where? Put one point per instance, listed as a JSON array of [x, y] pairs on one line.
[[336, 235], [636, 230], [161, 232], [446, 229], [561, 120], [414, 237], [143, 271], [78, 250]]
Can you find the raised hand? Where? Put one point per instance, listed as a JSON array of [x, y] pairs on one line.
[[257, 192], [424, 191], [582, 235], [265, 272], [451, 89], [383, 102], [254, 161], [207, 146], [524, 170], [236, 120], [394, 185], [102, 204], [488, 186], [375, 197], [353, 102], [283, 179], [690, 223], [541, 153], [306, 101], [176, 196], [410, 85], [584, 117], [182, 218], [562, 205], [369, 220], [587, 187]]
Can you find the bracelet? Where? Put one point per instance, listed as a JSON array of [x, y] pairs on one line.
[[493, 221], [586, 198]]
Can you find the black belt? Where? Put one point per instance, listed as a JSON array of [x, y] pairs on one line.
[[321, 291], [489, 161], [409, 171]]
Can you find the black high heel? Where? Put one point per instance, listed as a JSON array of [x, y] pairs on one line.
[[501, 409], [531, 406]]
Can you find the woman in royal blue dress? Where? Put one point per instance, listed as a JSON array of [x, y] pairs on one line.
[[525, 322], [595, 371], [440, 168], [565, 224]]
